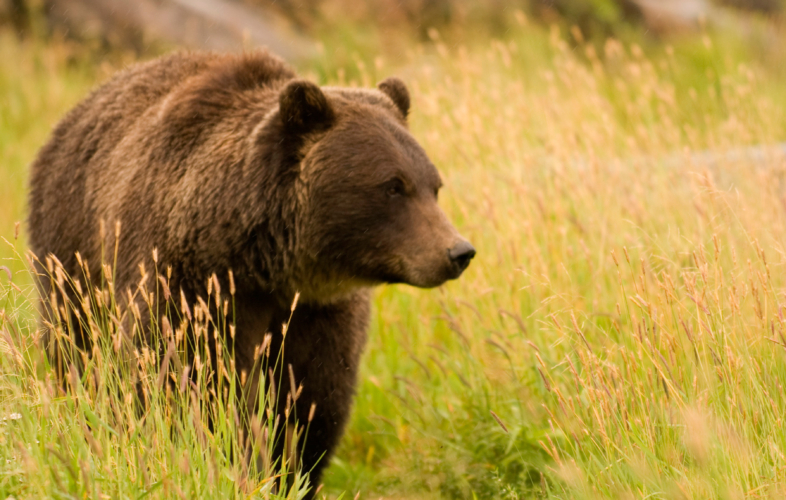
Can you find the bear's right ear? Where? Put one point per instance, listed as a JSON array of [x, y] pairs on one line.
[[304, 108]]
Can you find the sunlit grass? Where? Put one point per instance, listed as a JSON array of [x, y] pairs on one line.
[[126, 420], [622, 319], [655, 374]]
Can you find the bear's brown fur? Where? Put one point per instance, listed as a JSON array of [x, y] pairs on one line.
[[229, 162]]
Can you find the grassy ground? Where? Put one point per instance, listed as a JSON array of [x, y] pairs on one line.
[[620, 334]]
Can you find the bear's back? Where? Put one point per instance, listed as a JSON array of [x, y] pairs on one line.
[[63, 212], [60, 217]]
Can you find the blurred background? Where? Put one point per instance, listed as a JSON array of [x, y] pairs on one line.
[[292, 27]]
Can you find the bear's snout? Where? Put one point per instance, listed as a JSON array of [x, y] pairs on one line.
[[460, 255]]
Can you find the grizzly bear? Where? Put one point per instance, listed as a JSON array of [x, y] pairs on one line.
[[232, 163]]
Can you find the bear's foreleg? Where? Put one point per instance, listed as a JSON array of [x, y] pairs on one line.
[[323, 346]]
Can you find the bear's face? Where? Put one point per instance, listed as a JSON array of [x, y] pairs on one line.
[[371, 205]]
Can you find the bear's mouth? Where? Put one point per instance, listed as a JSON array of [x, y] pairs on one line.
[[457, 269], [392, 278], [438, 276]]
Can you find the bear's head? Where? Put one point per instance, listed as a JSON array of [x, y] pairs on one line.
[[367, 191]]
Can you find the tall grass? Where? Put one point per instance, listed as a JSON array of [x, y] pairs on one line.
[[622, 318], [116, 417], [620, 333]]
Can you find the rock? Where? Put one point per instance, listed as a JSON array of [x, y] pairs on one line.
[[222, 25], [674, 15]]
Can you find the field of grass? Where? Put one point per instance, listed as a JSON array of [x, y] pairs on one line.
[[620, 334]]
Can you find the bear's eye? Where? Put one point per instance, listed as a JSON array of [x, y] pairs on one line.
[[395, 188]]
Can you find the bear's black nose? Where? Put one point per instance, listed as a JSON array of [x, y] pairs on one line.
[[461, 254]]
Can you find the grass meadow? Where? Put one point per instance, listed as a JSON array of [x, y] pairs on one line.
[[621, 333]]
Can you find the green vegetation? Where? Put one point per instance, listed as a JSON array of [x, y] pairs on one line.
[[135, 423], [620, 334]]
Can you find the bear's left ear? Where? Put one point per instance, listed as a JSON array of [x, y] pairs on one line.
[[304, 108], [398, 93]]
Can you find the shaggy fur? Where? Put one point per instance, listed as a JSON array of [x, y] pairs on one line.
[[226, 162]]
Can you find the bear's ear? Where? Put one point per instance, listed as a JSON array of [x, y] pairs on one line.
[[304, 108], [398, 93]]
